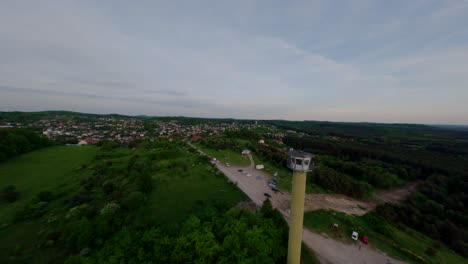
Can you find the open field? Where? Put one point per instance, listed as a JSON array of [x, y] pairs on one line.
[[227, 156], [177, 195], [184, 185], [55, 169], [399, 242]]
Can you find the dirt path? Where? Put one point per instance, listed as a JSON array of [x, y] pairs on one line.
[[332, 251], [348, 205]]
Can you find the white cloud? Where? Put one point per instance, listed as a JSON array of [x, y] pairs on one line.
[[352, 61]]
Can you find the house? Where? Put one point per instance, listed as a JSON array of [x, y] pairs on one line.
[[261, 141], [82, 142], [245, 152], [90, 140], [195, 138], [259, 167]]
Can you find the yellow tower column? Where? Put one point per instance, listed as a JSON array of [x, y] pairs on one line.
[[297, 217]]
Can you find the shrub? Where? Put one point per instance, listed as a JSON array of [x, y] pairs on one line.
[[108, 187], [31, 210], [134, 200], [80, 198], [110, 209], [45, 196], [9, 194], [430, 251], [145, 182], [79, 211], [80, 233]]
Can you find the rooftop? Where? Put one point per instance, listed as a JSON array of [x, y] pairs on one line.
[[300, 154]]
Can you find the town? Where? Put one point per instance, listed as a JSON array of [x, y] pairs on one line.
[[86, 129]]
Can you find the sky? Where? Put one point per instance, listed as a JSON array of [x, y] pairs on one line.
[[377, 61]]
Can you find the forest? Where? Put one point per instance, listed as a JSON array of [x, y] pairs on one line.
[[355, 159]]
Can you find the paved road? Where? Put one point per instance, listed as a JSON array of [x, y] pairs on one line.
[[326, 249]]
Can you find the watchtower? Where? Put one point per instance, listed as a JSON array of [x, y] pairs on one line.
[[300, 162]]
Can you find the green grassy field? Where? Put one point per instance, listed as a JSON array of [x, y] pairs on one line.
[[229, 156], [179, 191], [399, 242], [54, 169], [186, 191]]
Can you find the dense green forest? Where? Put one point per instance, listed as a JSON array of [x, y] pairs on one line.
[[237, 236], [355, 159], [14, 142]]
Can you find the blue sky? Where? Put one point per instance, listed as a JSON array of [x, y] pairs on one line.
[[381, 61]]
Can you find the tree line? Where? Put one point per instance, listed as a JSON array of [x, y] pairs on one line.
[[14, 142]]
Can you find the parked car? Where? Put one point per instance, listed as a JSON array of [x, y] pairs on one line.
[[275, 189], [239, 170], [355, 235], [267, 195]]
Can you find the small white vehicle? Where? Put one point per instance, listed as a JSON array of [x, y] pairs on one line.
[[355, 235]]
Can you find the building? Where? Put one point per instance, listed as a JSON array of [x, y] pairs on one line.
[[195, 138], [261, 141], [245, 152], [82, 142]]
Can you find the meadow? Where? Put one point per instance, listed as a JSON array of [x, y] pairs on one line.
[[184, 185], [54, 169], [230, 156]]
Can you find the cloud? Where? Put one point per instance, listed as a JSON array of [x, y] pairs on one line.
[[359, 60]]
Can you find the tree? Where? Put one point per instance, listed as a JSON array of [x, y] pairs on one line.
[[9, 194]]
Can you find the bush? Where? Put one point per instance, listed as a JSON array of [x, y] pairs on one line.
[[31, 210], [80, 198], [430, 251], [80, 233], [9, 194], [110, 209], [45, 196], [134, 200], [145, 182], [108, 187]]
